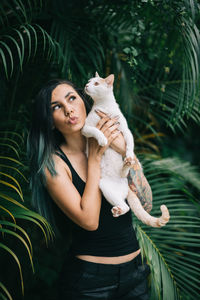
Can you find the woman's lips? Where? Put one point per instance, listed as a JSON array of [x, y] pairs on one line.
[[73, 120]]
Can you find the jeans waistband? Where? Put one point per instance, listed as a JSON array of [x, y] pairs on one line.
[[106, 268]]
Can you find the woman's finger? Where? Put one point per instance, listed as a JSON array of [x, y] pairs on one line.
[[109, 130], [108, 125], [105, 123], [102, 114], [101, 122], [113, 136]]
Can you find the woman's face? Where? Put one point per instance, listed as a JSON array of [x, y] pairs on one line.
[[68, 109]]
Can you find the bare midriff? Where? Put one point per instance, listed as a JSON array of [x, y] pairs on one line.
[[109, 260]]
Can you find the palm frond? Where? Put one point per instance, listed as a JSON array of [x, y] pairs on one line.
[[81, 49], [24, 43], [172, 250], [163, 285], [6, 292], [21, 212], [15, 226], [18, 11], [11, 180], [191, 58], [7, 249], [181, 169], [165, 76], [12, 233]]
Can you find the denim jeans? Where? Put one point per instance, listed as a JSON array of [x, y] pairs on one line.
[[82, 280]]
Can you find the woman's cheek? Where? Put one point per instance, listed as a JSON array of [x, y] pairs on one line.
[[58, 123]]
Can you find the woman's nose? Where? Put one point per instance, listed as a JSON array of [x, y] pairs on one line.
[[68, 110]]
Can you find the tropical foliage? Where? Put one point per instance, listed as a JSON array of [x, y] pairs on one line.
[[173, 251], [153, 49], [12, 204]]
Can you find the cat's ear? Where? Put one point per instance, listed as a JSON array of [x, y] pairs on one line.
[[97, 75], [110, 79]]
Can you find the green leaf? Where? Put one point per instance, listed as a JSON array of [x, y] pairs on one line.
[[17, 261], [6, 292]]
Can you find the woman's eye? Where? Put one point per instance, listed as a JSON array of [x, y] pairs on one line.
[[56, 107], [96, 83], [72, 98]]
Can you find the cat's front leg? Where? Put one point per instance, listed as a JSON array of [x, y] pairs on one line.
[[90, 131], [129, 159], [129, 144]]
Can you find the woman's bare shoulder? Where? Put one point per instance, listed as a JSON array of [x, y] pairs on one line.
[[60, 167]]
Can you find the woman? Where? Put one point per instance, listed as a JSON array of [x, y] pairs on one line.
[[104, 259]]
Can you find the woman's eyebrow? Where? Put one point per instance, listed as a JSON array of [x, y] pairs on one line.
[[55, 102]]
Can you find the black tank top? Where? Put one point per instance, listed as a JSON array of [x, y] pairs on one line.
[[114, 236]]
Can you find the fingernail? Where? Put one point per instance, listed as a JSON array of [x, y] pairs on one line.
[[96, 110]]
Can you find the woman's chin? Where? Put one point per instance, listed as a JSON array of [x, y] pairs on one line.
[[72, 128]]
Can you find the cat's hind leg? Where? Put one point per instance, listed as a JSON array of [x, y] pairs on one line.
[[143, 215], [116, 211], [115, 190], [129, 162]]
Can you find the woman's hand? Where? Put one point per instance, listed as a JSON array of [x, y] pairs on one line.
[[109, 127], [118, 143]]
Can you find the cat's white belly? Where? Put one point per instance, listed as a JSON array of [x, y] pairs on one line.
[[111, 164], [113, 186]]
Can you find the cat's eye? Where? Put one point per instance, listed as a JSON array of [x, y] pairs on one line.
[[96, 83]]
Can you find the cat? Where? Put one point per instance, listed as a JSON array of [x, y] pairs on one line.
[[114, 170]]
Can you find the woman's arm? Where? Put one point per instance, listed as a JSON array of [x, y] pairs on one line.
[[140, 186], [84, 210]]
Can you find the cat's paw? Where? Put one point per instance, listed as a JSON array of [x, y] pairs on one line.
[[116, 211], [102, 141], [129, 161]]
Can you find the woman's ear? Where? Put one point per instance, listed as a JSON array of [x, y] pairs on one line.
[[110, 79]]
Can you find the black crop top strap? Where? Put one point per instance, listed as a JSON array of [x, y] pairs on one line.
[[76, 179], [62, 155]]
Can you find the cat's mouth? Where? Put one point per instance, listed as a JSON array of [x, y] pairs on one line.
[[86, 90]]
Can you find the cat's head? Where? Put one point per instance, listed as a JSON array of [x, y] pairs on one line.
[[98, 87]]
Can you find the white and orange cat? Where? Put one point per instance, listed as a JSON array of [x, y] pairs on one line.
[[114, 170]]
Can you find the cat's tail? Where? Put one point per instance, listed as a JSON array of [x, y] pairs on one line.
[[144, 216]]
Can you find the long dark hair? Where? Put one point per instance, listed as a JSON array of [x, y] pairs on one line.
[[42, 143]]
